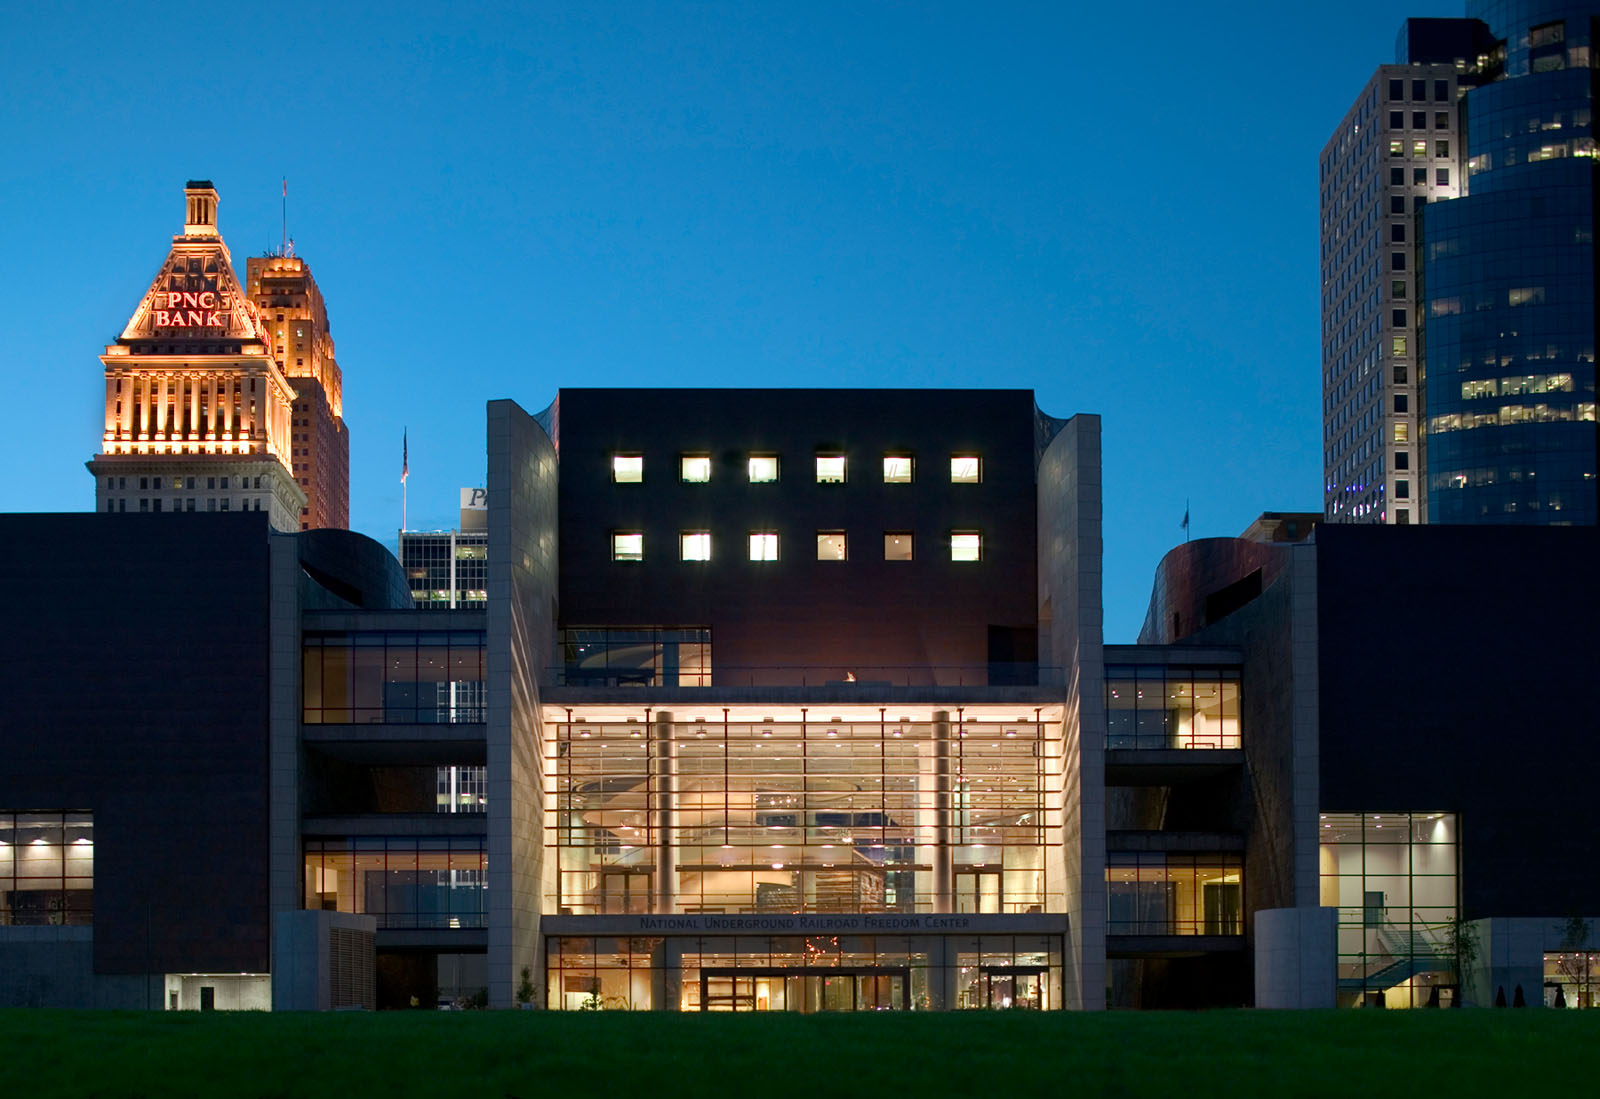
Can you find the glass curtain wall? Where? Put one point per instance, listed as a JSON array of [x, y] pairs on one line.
[[46, 868], [1152, 706], [1393, 878], [1166, 893], [805, 817], [393, 676], [1572, 979], [803, 973], [422, 882], [648, 656]]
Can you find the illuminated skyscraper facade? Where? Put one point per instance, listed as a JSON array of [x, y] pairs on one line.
[[1458, 285], [291, 307], [198, 410]]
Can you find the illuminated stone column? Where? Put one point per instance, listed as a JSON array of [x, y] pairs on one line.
[[944, 869], [664, 810], [666, 975], [160, 404]]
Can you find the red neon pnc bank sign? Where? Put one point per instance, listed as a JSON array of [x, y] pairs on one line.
[[191, 309]]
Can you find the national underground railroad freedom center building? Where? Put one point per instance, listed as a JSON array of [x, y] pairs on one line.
[[789, 700]]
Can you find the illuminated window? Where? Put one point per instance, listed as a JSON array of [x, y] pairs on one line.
[[627, 468], [830, 469], [1419, 148], [965, 469], [830, 545], [897, 545], [763, 468], [1399, 345], [1402, 433], [694, 545], [763, 545], [627, 545], [1397, 148], [897, 469], [966, 545], [694, 469]]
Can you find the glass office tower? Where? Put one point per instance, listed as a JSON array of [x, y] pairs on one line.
[[1508, 278]]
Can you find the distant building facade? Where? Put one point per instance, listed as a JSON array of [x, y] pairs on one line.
[[449, 569], [1458, 285], [291, 307]]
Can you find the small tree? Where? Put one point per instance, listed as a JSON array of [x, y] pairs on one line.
[[1573, 960], [1461, 940], [525, 986]]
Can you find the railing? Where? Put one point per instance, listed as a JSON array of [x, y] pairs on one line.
[[1202, 741], [857, 676]]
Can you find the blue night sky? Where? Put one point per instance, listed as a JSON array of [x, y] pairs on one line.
[[1116, 208]]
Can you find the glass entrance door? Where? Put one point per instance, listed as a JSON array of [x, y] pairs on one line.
[[805, 990], [1008, 987], [979, 890]]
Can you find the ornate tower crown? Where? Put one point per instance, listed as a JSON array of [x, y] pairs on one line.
[[197, 296], [200, 218]]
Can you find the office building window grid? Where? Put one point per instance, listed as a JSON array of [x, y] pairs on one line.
[[46, 869]]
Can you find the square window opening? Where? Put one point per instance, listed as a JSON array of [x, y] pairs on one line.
[[627, 468]]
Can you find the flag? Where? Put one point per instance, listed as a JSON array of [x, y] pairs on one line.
[[405, 458], [1185, 524], [285, 186]]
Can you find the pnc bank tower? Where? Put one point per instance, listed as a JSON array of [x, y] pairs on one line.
[[222, 398]]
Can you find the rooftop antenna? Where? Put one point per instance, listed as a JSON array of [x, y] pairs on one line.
[[284, 247]]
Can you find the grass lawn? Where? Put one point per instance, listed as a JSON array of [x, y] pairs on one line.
[[531, 1055]]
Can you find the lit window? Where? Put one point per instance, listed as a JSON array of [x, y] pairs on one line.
[[763, 545], [1397, 148], [1402, 433], [1399, 345], [897, 469], [965, 469], [830, 469], [830, 545], [694, 545], [1419, 148], [897, 545], [966, 545], [627, 545], [763, 468], [627, 468], [695, 469]]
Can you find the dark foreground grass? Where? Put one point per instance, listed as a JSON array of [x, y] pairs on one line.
[[979, 1055]]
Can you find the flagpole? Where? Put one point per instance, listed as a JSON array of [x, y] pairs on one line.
[[405, 474]]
